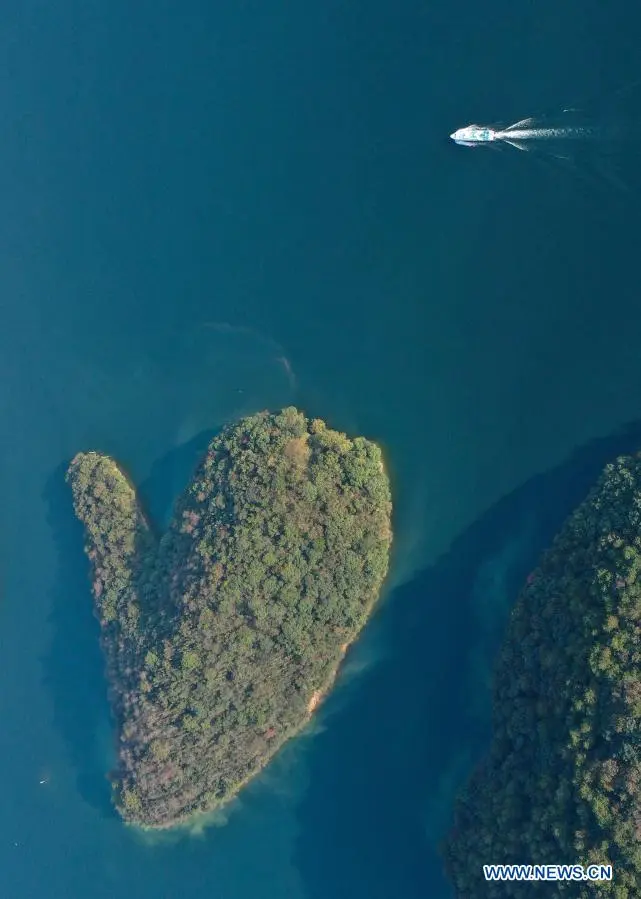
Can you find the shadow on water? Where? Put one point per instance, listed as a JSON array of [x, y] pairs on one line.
[[170, 475], [74, 671], [384, 772], [74, 667]]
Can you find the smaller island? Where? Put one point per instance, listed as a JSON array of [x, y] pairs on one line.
[[562, 781], [222, 635]]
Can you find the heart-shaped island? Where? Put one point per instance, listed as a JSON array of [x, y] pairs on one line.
[[222, 635]]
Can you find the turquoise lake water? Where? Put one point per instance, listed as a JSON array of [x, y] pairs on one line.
[[210, 209]]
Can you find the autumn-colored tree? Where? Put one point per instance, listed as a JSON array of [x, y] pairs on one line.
[[221, 634], [562, 780]]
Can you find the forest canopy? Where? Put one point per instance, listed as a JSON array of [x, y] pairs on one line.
[[222, 634], [562, 781]]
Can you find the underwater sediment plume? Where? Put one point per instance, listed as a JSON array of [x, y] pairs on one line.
[[561, 784], [222, 634]]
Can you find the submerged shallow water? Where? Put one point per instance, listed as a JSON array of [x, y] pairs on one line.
[[209, 213]]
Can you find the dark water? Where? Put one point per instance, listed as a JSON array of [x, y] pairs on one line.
[[208, 209]]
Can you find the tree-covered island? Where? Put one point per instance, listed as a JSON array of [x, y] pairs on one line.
[[562, 781], [222, 634]]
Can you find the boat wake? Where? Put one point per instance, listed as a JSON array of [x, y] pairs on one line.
[[600, 138]]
